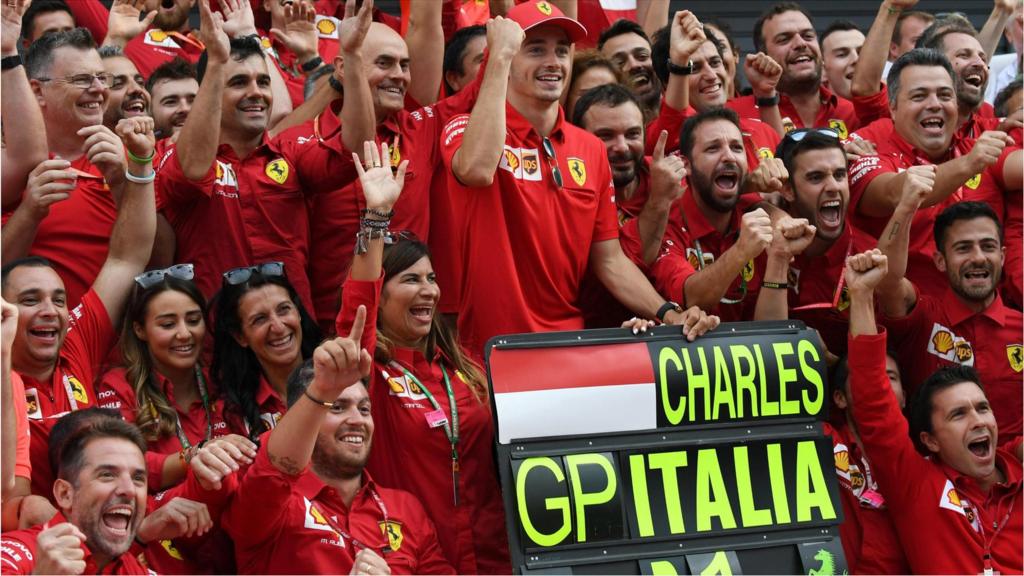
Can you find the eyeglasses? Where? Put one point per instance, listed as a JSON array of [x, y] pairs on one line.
[[237, 276], [153, 277], [83, 81], [800, 134], [549, 151]]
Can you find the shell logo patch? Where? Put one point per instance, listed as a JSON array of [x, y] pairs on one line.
[[544, 8], [578, 171], [402, 386], [748, 271], [973, 182], [393, 530], [1015, 354], [842, 460], [277, 170], [326, 26], [77, 390], [942, 341], [396, 386], [157, 37], [950, 499], [950, 347], [840, 127], [270, 420], [225, 174], [315, 520], [765, 153], [512, 160]]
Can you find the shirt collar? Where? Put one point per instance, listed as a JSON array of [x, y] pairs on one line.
[[693, 218], [958, 312], [1005, 464], [265, 392], [517, 124], [310, 486]]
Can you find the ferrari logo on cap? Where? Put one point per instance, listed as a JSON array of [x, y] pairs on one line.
[[277, 170], [393, 530], [1015, 353], [840, 127], [544, 8], [578, 171]]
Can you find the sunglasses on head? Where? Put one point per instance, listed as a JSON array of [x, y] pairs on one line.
[[800, 134], [154, 277], [237, 276]]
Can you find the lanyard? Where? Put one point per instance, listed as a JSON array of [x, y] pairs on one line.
[[839, 287], [187, 39], [201, 383], [356, 543], [989, 571], [700, 266], [451, 431]]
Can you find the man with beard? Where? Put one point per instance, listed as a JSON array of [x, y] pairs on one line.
[[704, 85], [172, 87], [953, 37], [534, 193], [785, 32], [923, 104], [803, 276], [148, 46], [233, 196], [840, 47], [101, 491], [711, 252], [306, 505], [128, 97], [956, 511], [968, 325], [626, 44]]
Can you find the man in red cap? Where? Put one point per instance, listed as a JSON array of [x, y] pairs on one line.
[[535, 193]]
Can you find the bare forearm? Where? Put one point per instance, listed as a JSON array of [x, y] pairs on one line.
[[200, 136], [358, 120], [992, 31], [874, 53], [279, 89], [9, 442], [651, 223], [475, 164], [896, 293], [26, 134], [18, 234], [426, 50], [771, 116], [1013, 172], [949, 177], [131, 240], [677, 92], [773, 303], [568, 7], [628, 284], [862, 313], [290, 446], [706, 287], [652, 15], [317, 102]]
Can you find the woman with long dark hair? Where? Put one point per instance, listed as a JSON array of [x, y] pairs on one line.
[[262, 333], [434, 433]]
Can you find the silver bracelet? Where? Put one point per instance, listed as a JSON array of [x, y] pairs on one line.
[[140, 179]]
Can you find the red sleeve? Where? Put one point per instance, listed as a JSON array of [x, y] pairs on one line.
[[155, 462], [451, 137], [90, 338], [354, 293], [900, 470], [173, 188], [871, 108], [671, 271], [322, 166], [263, 488], [23, 458], [216, 500], [863, 171], [17, 552], [668, 119], [92, 15], [632, 247], [606, 225], [114, 392]]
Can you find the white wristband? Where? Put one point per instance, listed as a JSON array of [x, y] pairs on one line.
[[140, 179]]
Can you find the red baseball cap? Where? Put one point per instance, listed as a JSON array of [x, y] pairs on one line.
[[537, 13]]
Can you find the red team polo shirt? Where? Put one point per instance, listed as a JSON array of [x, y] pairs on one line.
[[894, 156], [18, 551], [815, 281], [867, 532], [943, 331], [249, 210], [687, 227], [836, 112], [75, 235], [473, 535], [282, 524], [759, 139], [945, 523], [526, 241], [155, 47]]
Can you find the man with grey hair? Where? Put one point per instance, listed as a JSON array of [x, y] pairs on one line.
[[922, 131]]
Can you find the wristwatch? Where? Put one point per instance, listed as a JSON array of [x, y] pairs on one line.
[[678, 70], [665, 308], [10, 62], [767, 101]]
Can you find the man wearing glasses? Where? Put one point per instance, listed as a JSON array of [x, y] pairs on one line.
[[923, 104], [803, 275], [70, 201], [534, 194], [326, 514]]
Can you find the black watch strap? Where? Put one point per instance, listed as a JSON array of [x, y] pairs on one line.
[[10, 62], [678, 70], [312, 64], [767, 102], [665, 308]]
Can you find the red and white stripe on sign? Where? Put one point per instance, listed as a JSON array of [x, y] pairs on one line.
[[542, 392]]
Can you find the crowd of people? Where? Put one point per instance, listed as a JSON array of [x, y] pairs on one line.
[[250, 268]]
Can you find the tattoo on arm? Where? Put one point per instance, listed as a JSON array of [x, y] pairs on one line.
[[286, 465], [895, 230]]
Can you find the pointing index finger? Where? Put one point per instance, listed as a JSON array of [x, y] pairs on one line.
[[659, 148], [356, 334]]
